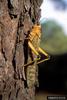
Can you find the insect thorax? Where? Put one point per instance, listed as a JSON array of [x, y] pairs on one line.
[[35, 35]]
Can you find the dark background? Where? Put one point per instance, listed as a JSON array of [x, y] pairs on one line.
[[53, 74]]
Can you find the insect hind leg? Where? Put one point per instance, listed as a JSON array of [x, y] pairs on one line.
[[45, 54]]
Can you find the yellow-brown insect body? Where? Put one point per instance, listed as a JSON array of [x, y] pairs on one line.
[[33, 38], [34, 42]]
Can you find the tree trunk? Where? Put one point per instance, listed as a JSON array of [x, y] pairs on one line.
[[16, 19]]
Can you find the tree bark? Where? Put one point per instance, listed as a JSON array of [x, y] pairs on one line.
[[16, 19]]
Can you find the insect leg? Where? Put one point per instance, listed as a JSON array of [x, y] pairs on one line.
[[44, 53], [34, 50]]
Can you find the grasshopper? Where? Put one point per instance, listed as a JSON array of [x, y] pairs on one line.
[[32, 42]]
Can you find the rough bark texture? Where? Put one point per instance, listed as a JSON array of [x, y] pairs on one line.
[[16, 18]]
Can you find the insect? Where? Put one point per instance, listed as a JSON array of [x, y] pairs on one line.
[[32, 47]]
